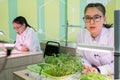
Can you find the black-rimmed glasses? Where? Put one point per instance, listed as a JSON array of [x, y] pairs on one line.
[[95, 18]]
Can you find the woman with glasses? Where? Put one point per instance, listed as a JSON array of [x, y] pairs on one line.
[[26, 39], [96, 32]]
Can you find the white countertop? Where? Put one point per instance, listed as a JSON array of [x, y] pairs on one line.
[[16, 53], [23, 74]]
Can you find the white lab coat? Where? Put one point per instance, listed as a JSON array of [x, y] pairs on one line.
[[104, 61], [28, 38]]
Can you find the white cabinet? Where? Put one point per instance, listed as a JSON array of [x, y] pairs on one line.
[[17, 62]]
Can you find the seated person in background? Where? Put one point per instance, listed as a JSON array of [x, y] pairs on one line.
[[26, 39], [96, 32]]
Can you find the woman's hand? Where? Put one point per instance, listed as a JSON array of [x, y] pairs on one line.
[[88, 69], [24, 48]]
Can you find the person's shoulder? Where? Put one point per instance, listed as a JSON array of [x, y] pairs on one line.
[[30, 29], [111, 30], [108, 29]]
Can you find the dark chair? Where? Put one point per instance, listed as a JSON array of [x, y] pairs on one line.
[[51, 48]]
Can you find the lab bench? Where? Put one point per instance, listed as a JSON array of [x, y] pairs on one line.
[[16, 62]]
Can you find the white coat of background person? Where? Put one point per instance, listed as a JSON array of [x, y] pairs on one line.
[[26, 39], [96, 32]]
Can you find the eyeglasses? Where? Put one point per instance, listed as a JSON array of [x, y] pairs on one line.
[[95, 18], [17, 28]]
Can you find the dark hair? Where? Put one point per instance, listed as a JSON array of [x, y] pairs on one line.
[[21, 20], [101, 8]]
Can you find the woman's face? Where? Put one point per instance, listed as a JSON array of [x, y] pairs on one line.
[[19, 27], [94, 21]]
